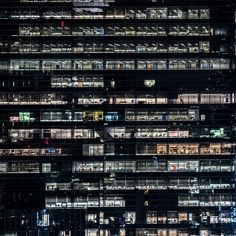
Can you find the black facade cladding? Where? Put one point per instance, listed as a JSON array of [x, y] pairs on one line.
[[117, 117]]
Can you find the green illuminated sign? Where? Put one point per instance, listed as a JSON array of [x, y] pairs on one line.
[[26, 116]]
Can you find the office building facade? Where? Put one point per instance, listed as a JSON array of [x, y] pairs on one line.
[[117, 117]]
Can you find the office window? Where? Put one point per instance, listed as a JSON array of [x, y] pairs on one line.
[[93, 150], [3, 167]]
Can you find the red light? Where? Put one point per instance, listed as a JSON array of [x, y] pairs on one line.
[[45, 141]]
